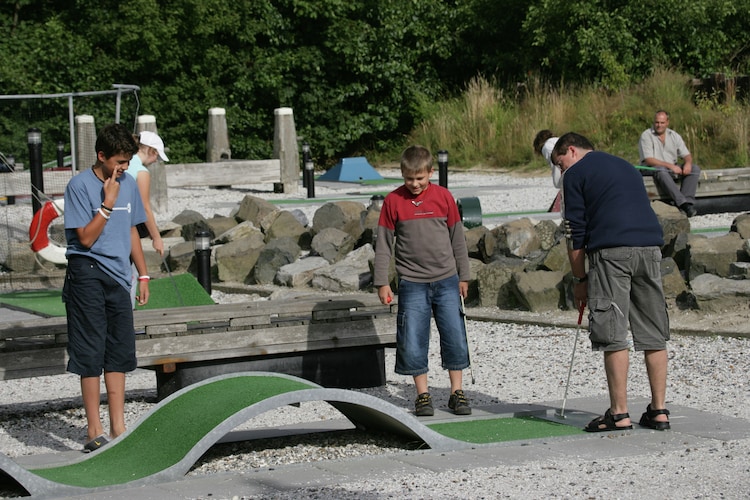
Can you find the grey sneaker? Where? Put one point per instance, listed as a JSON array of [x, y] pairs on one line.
[[459, 404], [423, 405]]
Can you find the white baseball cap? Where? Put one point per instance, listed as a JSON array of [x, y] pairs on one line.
[[148, 138]]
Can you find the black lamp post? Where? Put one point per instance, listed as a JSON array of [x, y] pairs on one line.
[[203, 259], [443, 168], [305, 158], [309, 170], [34, 139], [60, 154], [10, 163]]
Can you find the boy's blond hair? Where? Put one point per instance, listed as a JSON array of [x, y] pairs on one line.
[[416, 159]]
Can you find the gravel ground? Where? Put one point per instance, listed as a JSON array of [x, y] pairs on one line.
[[512, 363]]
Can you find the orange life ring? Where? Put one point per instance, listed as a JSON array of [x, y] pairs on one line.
[[39, 232]]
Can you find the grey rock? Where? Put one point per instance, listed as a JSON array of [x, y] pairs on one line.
[[715, 294], [332, 244], [343, 215], [235, 260], [714, 255], [254, 209], [300, 272], [273, 256], [539, 290], [348, 275]]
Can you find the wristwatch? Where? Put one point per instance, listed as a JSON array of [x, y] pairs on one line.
[[577, 280]]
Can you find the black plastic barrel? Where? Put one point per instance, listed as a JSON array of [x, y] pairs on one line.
[[471, 211]]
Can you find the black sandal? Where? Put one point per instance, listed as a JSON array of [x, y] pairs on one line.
[[648, 419], [609, 421]]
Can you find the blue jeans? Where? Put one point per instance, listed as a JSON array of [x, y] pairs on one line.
[[417, 302]]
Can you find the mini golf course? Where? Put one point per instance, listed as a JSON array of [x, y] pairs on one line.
[[166, 442]]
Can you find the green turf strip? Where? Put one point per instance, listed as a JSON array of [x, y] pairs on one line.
[[181, 290], [168, 434], [503, 429]]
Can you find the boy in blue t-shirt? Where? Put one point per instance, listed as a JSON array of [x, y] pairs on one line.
[[102, 208]]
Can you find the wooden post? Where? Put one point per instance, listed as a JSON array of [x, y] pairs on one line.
[[85, 142], [159, 197], [217, 142], [285, 148]]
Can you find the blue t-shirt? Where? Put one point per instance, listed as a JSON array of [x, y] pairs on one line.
[[83, 197], [606, 205]]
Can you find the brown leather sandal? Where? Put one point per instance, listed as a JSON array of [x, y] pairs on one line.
[[609, 421]]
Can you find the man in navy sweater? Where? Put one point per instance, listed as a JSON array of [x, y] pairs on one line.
[[608, 218]]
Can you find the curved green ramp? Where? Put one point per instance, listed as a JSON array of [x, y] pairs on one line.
[[166, 442], [170, 432]]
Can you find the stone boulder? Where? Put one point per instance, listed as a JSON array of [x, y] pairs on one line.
[[254, 209], [495, 281], [516, 238], [300, 272], [714, 255], [741, 226], [220, 225], [343, 215], [673, 223], [283, 224], [473, 238], [672, 280], [715, 294], [276, 254], [348, 275], [539, 290], [332, 244], [236, 259], [192, 222], [244, 229]]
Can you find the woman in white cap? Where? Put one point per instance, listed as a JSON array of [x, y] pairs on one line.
[[150, 149]]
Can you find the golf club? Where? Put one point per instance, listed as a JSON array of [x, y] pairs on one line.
[[466, 331], [176, 290], [561, 413]]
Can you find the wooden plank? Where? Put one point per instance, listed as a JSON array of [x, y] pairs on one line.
[[719, 182], [223, 173], [181, 319], [215, 346]]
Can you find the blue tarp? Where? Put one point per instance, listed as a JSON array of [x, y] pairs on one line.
[[355, 169]]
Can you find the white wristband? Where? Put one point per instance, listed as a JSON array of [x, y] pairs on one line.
[[101, 212], [144, 278]]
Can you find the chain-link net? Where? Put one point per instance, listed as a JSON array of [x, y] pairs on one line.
[[67, 124]]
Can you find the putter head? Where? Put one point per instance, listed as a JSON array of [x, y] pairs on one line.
[[559, 414]]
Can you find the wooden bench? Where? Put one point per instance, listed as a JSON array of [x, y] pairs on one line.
[[335, 342], [720, 190], [223, 173]]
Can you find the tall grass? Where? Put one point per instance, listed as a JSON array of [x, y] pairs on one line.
[[488, 126]]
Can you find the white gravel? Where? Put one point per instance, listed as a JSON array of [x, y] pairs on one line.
[[512, 363]]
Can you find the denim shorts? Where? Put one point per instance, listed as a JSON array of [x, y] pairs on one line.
[[625, 289], [417, 303], [100, 321]]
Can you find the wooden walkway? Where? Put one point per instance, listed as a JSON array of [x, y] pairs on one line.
[[169, 339]]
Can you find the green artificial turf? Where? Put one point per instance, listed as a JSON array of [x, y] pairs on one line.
[[188, 292], [168, 434], [46, 302], [503, 429], [180, 290]]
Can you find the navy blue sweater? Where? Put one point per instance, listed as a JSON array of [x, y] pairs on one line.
[[606, 205]]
